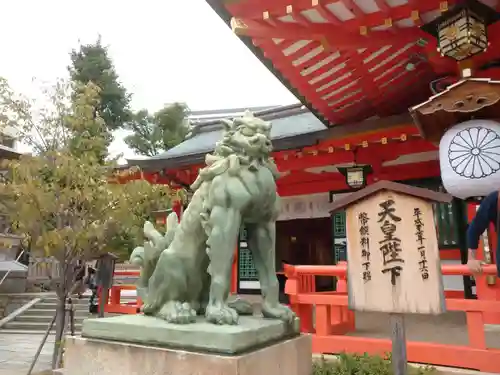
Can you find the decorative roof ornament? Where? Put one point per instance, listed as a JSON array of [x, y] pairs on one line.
[[462, 101], [238, 26], [248, 113]]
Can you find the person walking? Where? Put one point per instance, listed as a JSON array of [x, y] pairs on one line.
[[92, 285], [80, 286], [486, 214]]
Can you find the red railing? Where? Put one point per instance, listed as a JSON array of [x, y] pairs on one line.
[[333, 319], [113, 304]]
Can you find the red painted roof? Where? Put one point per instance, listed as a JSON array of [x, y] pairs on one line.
[[350, 59]]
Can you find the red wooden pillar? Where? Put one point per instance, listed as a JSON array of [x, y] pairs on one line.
[[487, 288], [234, 273]]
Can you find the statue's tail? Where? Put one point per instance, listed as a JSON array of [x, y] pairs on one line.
[[137, 256], [158, 241], [147, 256], [172, 224]]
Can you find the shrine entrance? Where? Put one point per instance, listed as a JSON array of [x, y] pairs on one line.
[[299, 241]]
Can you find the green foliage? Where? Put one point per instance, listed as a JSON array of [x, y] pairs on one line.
[[153, 134], [138, 199], [349, 364], [39, 123], [60, 199], [91, 63], [89, 135]]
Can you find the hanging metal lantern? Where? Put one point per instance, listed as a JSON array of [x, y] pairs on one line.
[[462, 31], [355, 176]]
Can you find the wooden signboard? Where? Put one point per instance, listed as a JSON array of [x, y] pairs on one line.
[[393, 257], [394, 263]]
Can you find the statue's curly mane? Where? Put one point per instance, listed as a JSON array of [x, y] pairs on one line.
[[232, 152]]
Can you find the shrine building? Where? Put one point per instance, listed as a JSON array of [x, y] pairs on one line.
[[315, 162], [379, 82]]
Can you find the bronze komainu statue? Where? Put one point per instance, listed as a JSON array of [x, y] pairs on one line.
[[187, 272]]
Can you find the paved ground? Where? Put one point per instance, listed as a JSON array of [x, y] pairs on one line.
[[17, 352]]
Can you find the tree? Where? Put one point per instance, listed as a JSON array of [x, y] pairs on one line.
[[138, 199], [153, 134], [60, 198], [91, 63], [40, 124]]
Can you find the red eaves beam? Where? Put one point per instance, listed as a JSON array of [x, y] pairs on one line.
[[292, 74], [383, 7], [371, 154], [301, 182], [395, 93], [311, 183], [372, 88], [335, 35], [349, 141], [351, 68], [277, 8], [361, 73], [380, 142], [256, 9]]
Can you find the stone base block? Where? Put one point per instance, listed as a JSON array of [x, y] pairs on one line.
[[84, 356], [250, 333]]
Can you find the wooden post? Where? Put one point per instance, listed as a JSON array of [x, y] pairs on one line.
[[398, 336], [103, 301]]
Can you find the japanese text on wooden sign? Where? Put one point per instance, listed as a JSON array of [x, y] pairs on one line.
[[394, 263]]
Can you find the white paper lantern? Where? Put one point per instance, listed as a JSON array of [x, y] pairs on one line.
[[469, 155]]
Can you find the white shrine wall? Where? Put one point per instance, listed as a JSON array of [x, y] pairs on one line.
[[313, 206]]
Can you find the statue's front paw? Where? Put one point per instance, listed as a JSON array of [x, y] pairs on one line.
[[278, 311], [148, 309], [241, 306], [223, 315], [177, 313]]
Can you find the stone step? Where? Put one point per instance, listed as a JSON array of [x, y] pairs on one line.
[[85, 300], [50, 312], [31, 332], [79, 304], [76, 301], [46, 319], [53, 306], [33, 326]]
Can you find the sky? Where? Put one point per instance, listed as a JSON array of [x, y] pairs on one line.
[[163, 51]]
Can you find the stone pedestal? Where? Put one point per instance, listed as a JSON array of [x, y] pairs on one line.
[[84, 356], [137, 344], [251, 332]]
